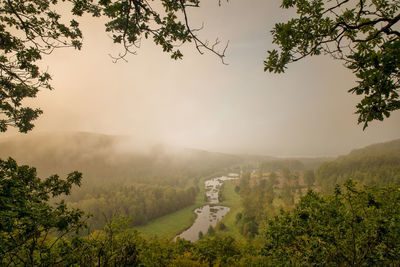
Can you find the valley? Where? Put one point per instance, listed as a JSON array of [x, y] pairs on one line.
[[166, 195]]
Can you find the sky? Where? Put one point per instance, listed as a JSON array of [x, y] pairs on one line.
[[198, 102]]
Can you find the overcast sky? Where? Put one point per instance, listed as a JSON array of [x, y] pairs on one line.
[[200, 103]]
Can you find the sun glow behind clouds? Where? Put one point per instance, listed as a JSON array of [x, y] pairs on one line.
[[201, 103]]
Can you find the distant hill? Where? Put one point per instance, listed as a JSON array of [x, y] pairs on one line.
[[120, 175], [391, 147], [377, 164], [293, 164], [103, 158]]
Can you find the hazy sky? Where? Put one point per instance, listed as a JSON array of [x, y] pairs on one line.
[[200, 103]]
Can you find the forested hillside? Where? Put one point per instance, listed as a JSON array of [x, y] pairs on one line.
[[353, 227], [120, 177], [278, 213], [111, 159], [293, 164], [378, 164], [277, 184]]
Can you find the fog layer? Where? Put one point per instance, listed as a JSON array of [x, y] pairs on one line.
[[199, 102]]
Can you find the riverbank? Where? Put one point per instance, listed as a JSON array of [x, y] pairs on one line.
[[232, 200], [171, 225], [209, 215], [176, 223]]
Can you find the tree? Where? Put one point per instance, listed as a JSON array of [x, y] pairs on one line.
[[201, 235], [287, 175], [363, 34], [287, 195], [221, 226], [217, 250], [27, 219], [211, 230], [116, 245], [309, 178], [30, 28], [273, 179], [353, 227]]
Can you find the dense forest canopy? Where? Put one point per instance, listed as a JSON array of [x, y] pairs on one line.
[[351, 227], [120, 176], [378, 164]]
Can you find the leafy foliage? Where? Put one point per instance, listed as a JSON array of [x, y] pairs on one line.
[[377, 164], [364, 34], [132, 20], [30, 28], [257, 196], [309, 178], [353, 227], [279, 164], [142, 185], [27, 219], [139, 202], [116, 245]]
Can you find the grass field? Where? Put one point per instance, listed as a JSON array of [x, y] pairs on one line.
[[171, 225], [231, 200]]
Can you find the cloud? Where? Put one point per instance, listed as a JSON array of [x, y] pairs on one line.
[[201, 103]]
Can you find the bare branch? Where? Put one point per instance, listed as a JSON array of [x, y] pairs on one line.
[[199, 43]]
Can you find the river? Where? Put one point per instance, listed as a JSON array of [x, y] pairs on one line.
[[208, 214]]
